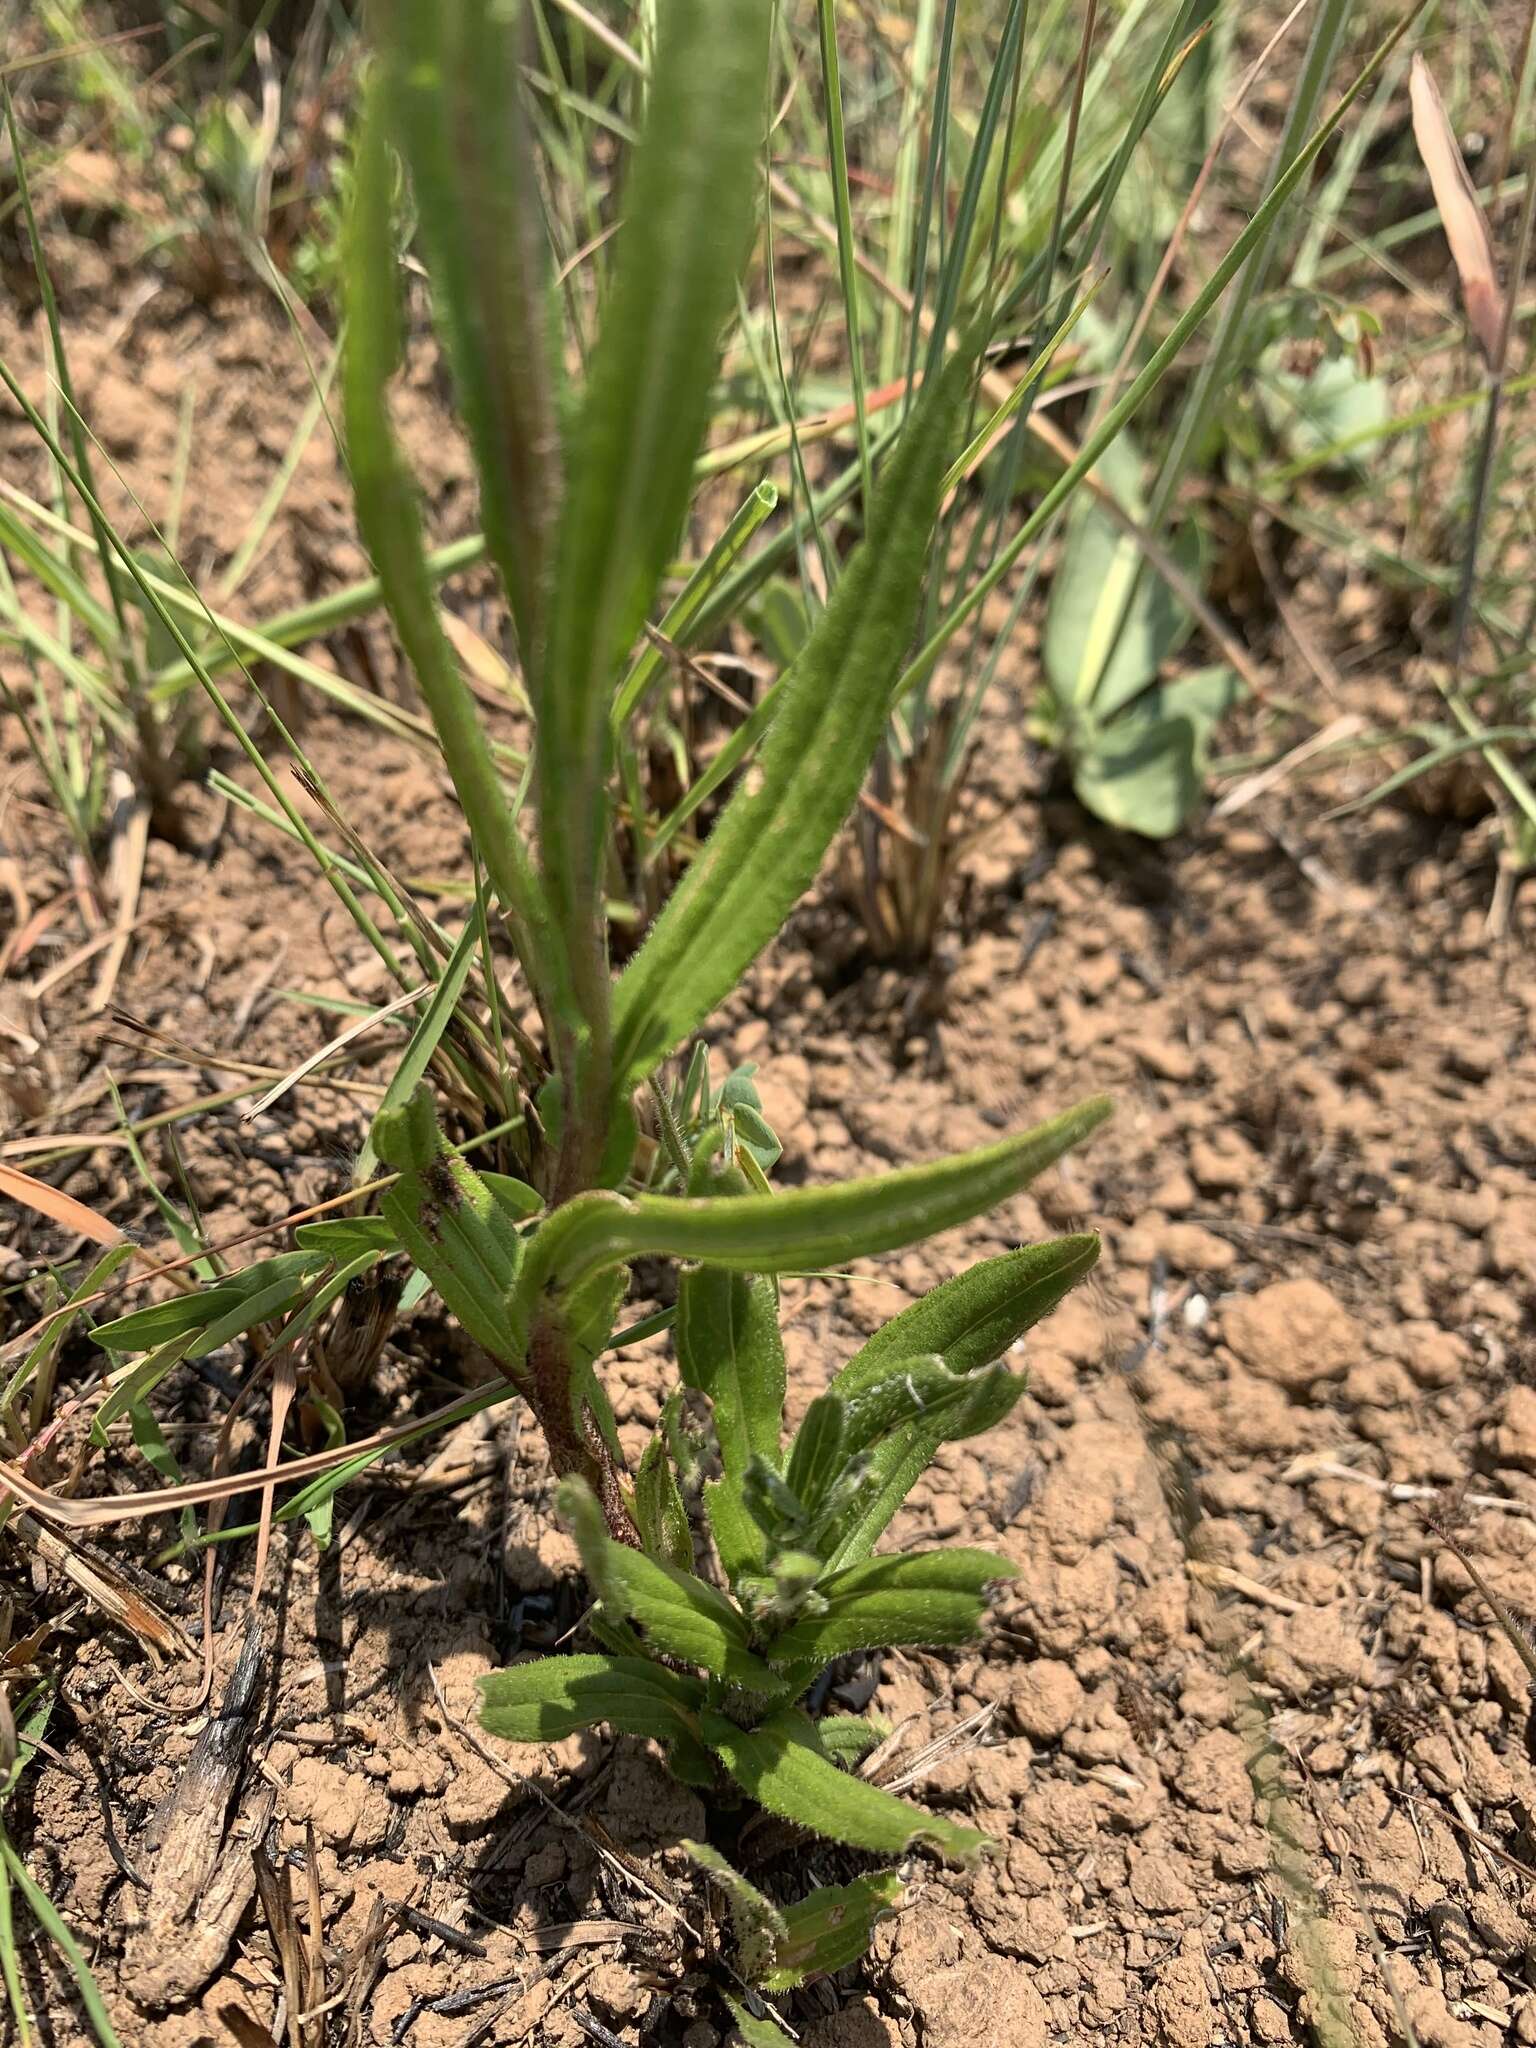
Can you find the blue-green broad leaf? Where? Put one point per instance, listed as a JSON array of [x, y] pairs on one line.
[[784, 1767], [929, 1598], [1145, 772], [768, 843], [1111, 620]]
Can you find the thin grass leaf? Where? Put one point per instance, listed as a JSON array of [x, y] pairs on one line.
[[423, 1041], [1254, 236], [49, 1918]]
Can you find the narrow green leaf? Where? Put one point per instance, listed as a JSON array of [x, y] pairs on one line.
[[929, 1598], [819, 1450], [52, 1922], [809, 1226], [450, 1224], [676, 1613], [755, 1920], [686, 215], [971, 1320], [785, 1769], [216, 1313], [729, 1348], [391, 526], [766, 847], [36, 1369], [685, 607], [552, 1697], [968, 1322], [831, 1927], [455, 87], [344, 1237], [426, 1034], [660, 1515], [754, 2032], [849, 1738]]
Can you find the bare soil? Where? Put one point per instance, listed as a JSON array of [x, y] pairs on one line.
[[1250, 1748]]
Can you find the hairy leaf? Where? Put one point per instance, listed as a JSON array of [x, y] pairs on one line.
[[552, 1697], [685, 220], [932, 1597], [450, 1224], [819, 1450], [455, 88], [785, 1769], [390, 519], [809, 1226], [971, 1320], [967, 1322], [660, 1515], [767, 845], [729, 1347], [831, 1927], [758, 1924], [676, 1613]]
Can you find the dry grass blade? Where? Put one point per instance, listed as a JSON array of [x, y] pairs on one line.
[[107, 1590], [59, 1208], [333, 1045], [1519, 1641], [130, 845], [1466, 231], [135, 1507]]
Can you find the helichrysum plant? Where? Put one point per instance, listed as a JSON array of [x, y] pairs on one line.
[[713, 1627]]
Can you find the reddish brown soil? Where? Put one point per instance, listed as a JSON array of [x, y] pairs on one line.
[[1320, 1231]]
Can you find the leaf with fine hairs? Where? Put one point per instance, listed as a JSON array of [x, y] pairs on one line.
[[1466, 231], [931, 1597], [768, 843], [390, 519], [455, 89], [675, 1612], [815, 1226], [686, 211], [831, 1927], [967, 1323], [782, 1764], [552, 1697]]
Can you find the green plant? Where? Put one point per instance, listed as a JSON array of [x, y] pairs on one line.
[[584, 496]]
